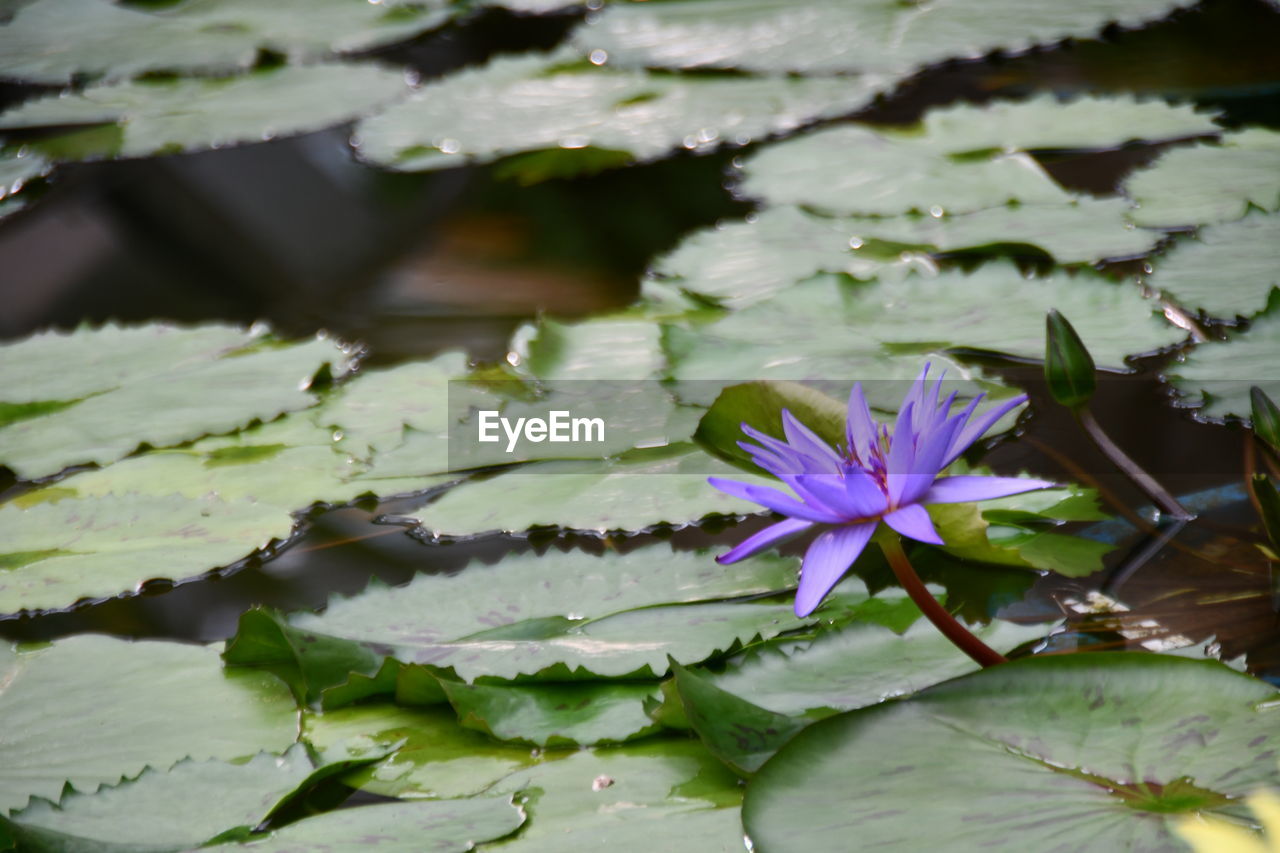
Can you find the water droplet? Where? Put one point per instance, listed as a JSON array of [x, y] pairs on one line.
[[513, 358], [936, 212], [1148, 269], [742, 139], [855, 242], [259, 329], [598, 56], [535, 753], [752, 218], [337, 435], [575, 141], [706, 135], [574, 617], [412, 78], [450, 146], [736, 162], [595, 5], [691, 142], [601, 782], [268, 134], [304, 384]]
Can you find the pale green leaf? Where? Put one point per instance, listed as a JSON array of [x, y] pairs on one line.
[[1226, 270], [1215, 377]]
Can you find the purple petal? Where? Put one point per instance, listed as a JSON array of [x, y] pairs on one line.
[[827, 559], [773, 499], [950, 490], [822, 490], [973, 431], [912, 521], [860, 427], [807, 441], [795, 460], [865, 498], [763, 539]]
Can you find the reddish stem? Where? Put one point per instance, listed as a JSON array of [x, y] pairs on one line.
[[936, 613]]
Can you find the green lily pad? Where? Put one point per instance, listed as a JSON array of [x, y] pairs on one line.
[[1209, 183], [554, 714], [564, 616], [666, 795], [746, 262], [1225, 271], [151, 385], [959, 160], [58, 553], [51, 41], [832, 328], [639, 490], [832, 35], [1215, 377], [606, 348], [147, 117], [1110, 748], [435, 826], [166, 810], [1010, 538], [434, 756], [859, 665], [547, 101], [88, 710]]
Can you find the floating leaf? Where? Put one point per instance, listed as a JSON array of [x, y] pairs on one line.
[[1008, 540], [52, 41], [959, 160], [833, 35], [58, 553], [1109, 747], [152, 385], [743, 263], [858, 665], [149, 117], [554, 714], [89, 710], [1216, 377], [639, 490], [668, 795], [832, 328], [1209, 183], [539, 101], [760, 405], [610, 616], [435, 826], [604, 348], [1227, 270], [434, 756], [166, 810]]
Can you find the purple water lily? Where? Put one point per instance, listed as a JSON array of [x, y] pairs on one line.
[[876, 476]]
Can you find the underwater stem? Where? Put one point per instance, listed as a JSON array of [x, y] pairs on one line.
[[936, 613], [1131, 469]]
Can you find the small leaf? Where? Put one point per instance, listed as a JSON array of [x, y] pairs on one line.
[[760, 405], [1266, 418], [1068, 367]]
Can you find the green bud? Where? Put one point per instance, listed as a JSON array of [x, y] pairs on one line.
[[1068, 367], [1266, 418], [1269, 503]]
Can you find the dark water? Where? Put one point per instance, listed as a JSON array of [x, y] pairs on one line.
[[296, 232]]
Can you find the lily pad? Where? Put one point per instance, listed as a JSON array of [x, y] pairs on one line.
[[52, 41], [149, 117], [1225, 271], [166, 810], [1215, 377], [666, 795], [124, 706], [834, 35], [1111, 748], [639, 490], [831, 327], [435, 826], [540, 101], [58, 553], [859, 665], [1209, 183], [555, 714], [745, 262], [152, 385], [882, 172], [434, 756], [607, 348]]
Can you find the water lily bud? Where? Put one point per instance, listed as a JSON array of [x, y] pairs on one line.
[[1266, 418], [1068, 367], [1269, 503]]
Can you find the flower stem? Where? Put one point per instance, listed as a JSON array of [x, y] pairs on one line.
[[936, 613], [1131, 469]]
